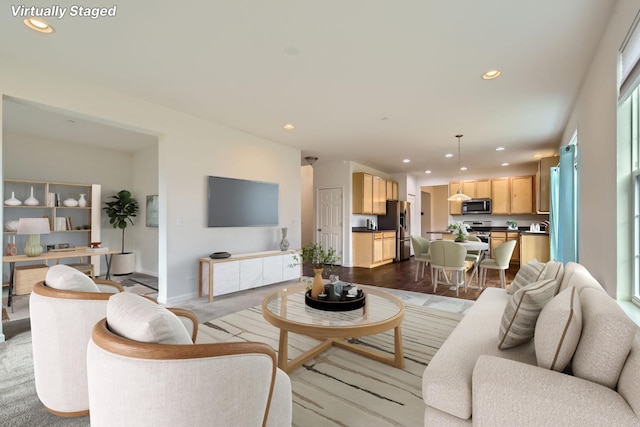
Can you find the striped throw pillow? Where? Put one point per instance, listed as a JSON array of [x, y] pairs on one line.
[[527, 274], [521, 313]]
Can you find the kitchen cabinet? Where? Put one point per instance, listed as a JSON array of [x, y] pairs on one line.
[[543, 181], [455, 208], [469, 188], [534, 246], [392, 190], [522, 195], [483, 189], [372, 249], [500, 237], [500, 196], [362, 193], [379, 196]]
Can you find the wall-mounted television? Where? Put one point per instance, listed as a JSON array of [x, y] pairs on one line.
[[242, 203]]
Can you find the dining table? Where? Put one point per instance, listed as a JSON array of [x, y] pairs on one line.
[[481, 247]]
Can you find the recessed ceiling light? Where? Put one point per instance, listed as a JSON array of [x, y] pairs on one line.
[[505, 164], [448, 155], [406, 161], [463, 168], [491, 74], [427, 171], [39, 25], [500, 149], [289, 126]]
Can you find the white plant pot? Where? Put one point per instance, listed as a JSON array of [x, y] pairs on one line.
[[122, 264]]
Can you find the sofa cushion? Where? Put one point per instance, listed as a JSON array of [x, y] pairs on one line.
[[137, 318], [67, 278], [527, 274], [521, 313], [607, 335], [558, 330]]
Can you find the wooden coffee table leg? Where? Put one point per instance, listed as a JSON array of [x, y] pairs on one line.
[[283, 347], [399, 353]]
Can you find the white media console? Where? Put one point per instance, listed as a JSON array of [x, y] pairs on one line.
[[246, 271]]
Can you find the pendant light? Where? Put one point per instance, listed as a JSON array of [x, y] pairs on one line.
[[459, 196]]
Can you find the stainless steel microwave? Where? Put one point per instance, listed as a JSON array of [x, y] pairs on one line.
[[476, 206]]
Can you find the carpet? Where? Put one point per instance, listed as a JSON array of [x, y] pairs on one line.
[[338, 388], [341, 388]]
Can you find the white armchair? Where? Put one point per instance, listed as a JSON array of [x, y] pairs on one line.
[[136, 383], [61, 323]]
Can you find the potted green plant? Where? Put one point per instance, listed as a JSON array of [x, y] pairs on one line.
[[460, 230], [314, 254], [121, 210]]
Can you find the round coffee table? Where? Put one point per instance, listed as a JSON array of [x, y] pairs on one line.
[[287, 310]]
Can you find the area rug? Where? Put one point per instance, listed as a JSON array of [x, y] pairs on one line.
[[338, 388], [341, 388]]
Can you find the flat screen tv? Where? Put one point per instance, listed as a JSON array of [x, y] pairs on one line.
[[242, 203]]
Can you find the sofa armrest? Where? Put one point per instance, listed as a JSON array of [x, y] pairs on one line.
[[506, 392], [188, 319]]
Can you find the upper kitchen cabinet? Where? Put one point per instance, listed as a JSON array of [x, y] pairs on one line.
[[483, 189], [469, 188], [543, 178], [500, 196], [455, 208], [370, 194], [392, 190], [379, 196], [362, 193], [522, 195]]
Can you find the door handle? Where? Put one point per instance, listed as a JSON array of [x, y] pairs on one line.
[[319, 229]]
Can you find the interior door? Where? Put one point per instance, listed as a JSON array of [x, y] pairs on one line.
[[330, 234]]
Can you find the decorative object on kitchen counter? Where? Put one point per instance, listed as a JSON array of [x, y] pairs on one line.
[[284, 243], [12, 201], [31, 201], [460, 230], [459, 196], [512, 225], [318, 257]]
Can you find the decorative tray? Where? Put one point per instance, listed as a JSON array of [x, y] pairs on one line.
[[342, 305]]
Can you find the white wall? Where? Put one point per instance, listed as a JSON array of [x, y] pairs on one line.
[[601, 248], [145, 183], [189, 150]]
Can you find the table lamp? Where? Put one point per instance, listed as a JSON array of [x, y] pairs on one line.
[[33, 227]]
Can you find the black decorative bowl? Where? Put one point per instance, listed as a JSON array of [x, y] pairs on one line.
[[342, 305]]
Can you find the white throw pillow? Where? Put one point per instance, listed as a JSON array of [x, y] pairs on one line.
[[527, 274], [605, 342], [521, 313], [558, 330], [137, 318], [67, 278]]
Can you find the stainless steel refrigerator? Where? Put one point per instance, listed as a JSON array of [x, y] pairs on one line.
[[398, 219]]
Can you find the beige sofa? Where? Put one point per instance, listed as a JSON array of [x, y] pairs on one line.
[[471, 382]]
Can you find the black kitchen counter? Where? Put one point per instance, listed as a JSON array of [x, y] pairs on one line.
[[366, 230]]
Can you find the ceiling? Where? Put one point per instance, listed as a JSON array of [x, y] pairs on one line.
[[369, 81]]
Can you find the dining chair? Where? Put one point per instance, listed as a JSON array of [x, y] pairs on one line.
[[421, 253], [448, 255], [474, 257], [500, 261]]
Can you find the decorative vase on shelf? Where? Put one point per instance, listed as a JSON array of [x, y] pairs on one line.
[[317, 287], [12, 201], [284, 243], [31, 201], [82, 202]]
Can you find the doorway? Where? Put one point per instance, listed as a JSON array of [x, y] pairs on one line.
[[329, 214]]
